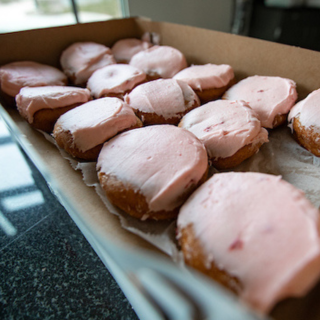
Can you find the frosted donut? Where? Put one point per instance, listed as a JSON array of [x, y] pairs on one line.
[[82, 131], [149, 172], [115, 80], [159, 62], [304, 120], [42, 106], [271, 97], [254, 233], [229, 130], [16, 75], [123, 50], [162, 101], [209, 81], [81, 59]]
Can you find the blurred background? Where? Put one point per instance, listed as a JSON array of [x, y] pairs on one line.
[[294, 22]]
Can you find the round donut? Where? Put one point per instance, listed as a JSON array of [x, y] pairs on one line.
[[42, 106], [81, 59], [115, 80], [304, 120], [16, 75], [254, 233], [229, 130], [82, 131], [124, 49], [271, 97], [149, 172], [159, 62], [208, 81], [162, 101]]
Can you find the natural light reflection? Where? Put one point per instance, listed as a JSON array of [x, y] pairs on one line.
[[7, 226], [23, 201], [16, 15], [14, 171], [15, 175], [4, 133]]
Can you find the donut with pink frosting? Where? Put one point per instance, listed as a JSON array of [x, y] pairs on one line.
[[229, 130], [304, 120], [209, 81], [81, 59], [254, 233], [124, 49], [42, 106], [162, 101], [115, 80], [271, 97], [82, 131], [159, 62], [16, 75], [149, 172]]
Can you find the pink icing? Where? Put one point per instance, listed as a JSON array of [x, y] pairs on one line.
[[165, 97], [96, 121], [259, 229], [116, 78], [31, 100], [308, 111], [224, 127], [164, 61], [201, 77], [16, 75], [81, 59], [125, 49], [268, 96], [160, 161]]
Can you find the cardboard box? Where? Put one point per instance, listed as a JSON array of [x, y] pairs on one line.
[[247, 57]]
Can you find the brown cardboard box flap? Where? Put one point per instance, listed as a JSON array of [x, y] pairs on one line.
[[247, 56]]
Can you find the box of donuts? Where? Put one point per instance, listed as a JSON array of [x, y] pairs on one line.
[[108, 111]]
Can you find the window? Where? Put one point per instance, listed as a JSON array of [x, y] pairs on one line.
[[16, 15]]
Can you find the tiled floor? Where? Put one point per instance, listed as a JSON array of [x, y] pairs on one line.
[[47, 268]]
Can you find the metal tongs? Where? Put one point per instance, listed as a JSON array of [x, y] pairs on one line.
[[158, 288]]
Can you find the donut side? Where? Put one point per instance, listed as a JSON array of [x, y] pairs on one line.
[[279, 120], [242, 154], [209, 81], [149, 118], [307, 137], [195, 257], [65, 140], [132, 201], [304, 121], [207, 95], [45, 119]]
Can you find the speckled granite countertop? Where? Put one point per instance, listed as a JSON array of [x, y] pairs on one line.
[[48, 270]]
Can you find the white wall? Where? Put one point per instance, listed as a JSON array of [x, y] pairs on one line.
[[209, 14]]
